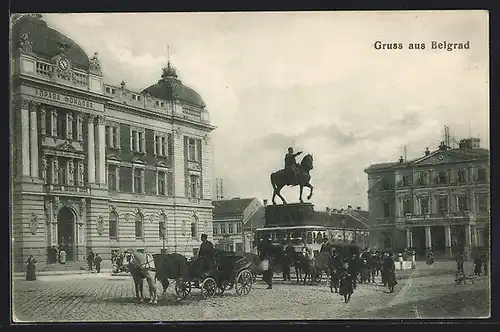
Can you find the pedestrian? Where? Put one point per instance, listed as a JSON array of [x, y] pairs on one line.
[[30, 269], [478, 265], [62, 256], [90, 259], [460, 262], [346, 285], [352, 268], [485, 264], [97, 262]]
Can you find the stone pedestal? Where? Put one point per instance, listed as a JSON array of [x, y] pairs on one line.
[[289, 215]]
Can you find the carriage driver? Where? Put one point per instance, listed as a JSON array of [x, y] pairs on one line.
[[205, 254], [291, 165]]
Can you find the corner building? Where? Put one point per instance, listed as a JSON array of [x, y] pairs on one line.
[[440, 201], [100, 167]]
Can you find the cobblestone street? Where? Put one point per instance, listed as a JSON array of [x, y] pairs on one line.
[[111, 298]]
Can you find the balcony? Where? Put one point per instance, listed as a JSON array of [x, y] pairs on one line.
[[459, 217], [66, 189], [46, 71]]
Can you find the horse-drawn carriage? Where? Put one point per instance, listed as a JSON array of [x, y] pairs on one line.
[[226, 272]]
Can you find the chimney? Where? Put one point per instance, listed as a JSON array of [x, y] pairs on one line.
[[334, 210], [341, 210], [265, 202], [427, 152], [401, 160], [443, 146], [358, 208], [349, 207], [328, 211]]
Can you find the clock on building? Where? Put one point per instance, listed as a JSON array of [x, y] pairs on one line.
[[63, 64]]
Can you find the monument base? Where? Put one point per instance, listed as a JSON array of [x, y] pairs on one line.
[[299, 214]]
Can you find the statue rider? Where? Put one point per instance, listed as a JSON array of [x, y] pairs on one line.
[[291, 165]]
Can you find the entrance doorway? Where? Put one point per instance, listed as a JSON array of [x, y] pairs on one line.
[[66, 232], [418, 240]]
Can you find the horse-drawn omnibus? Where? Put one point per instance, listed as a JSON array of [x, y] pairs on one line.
[[312, 235]]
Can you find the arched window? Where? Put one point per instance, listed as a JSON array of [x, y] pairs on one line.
[[113, 225], [139, 231], [194, 227], [162, 227], [194, 230]]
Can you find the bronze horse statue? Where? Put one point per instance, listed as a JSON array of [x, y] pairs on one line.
[[281, 178]]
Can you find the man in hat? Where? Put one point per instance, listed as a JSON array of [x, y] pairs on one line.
[[326, 246], [291, 166], [205, 253]]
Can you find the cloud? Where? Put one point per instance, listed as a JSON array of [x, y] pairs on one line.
[[308, 80]]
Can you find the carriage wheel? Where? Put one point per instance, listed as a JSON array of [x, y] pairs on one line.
[[243, 282], [319, 275], [221, 289], [182, 288], [208, 288]]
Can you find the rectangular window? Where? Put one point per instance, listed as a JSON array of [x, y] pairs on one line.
[[481, 174], [61, 124], [230, 228], [387, 209], [239, 247], [142, 142], [223, 228], [161, 183], [157, 103], [404, 181], [170, 184], [192, 149], [138, 181], [442, 177], [407, 207], [107, 137], [424, 205], [194, 186], [108, 90], [133, 141], [194, 230], [442, 204], [216, 229], [463, 204], [62, 171], [461, 176], [482, 202], [115, 138], [112, 178], [113, 91], [238, 228]]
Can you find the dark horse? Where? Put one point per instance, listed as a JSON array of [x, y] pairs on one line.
[[171, 266], [281, 178]]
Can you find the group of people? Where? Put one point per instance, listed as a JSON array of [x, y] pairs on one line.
[[94, 259]]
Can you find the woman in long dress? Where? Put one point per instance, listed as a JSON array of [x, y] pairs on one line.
[[30, 270]]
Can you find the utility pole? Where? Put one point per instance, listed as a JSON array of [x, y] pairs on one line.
[[405, 152]]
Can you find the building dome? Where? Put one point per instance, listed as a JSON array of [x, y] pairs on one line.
[[169, 87], [46, 42]]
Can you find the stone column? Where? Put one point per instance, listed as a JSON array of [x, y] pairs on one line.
[[117, 176], [408, 238], [90, 150], [25, 140], [44, 169], [472, 201], [43, 121], [143, 141], [53, 121], [55, 171], [468, 240], [447, 240], [428, 239], [143, 186], [34, 140], [69, 125], [101, 149], [156, 185], [474, 236], [71, 173], [133, 178], [137, 141], [79, 127], [81, 173]]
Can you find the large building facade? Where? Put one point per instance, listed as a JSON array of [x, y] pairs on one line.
[[100, 167], [440, 201]]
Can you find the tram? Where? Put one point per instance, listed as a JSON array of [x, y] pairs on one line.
[[312, 235]]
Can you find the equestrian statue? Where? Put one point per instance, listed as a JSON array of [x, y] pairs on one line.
[[292, 175]]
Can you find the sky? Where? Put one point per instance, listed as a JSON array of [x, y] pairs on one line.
[[310, 80]]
